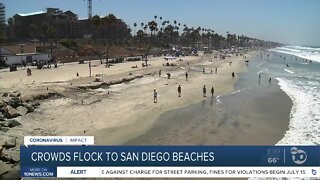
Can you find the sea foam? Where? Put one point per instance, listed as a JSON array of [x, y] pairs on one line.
[[305, 114], [302, 52]]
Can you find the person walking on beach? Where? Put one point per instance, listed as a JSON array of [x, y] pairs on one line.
[[159, 72], [179, 91], [204, 90], [187, 76], [232, 75], [155, 96], [269, 81], [216, 70], [203, 70], [212, 91]]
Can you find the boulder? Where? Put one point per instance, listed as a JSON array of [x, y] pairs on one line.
[[26, 98], [10, 112], [15, 102], [22, 110], [13, 123], [2, 117], [15, 94], [35, 104], [11, 155], [5, 94], [30, 108], [10, 143], [4, 129], [3, 104], [3, 124]]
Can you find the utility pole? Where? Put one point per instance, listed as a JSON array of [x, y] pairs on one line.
[[89, 9]]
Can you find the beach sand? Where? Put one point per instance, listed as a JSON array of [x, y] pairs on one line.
[[128, 111], [125, 113]]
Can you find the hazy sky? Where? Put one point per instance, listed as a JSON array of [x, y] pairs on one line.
[[294, 22]]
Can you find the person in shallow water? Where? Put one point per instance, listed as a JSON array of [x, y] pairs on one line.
[[212, 91], [155, 96], [204, 90]]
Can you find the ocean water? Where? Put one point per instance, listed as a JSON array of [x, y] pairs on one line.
[[299, 78], [297, 71]]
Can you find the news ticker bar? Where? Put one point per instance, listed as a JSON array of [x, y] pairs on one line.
[[193, 156], [186, 172], [157, 161]]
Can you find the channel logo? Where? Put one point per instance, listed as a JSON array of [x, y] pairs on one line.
[[314, 172], [299, 156]]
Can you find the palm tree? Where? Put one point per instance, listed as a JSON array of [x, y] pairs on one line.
[[134, 25], [152, 26]]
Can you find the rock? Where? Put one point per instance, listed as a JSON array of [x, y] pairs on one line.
[[26, 98], [3, 124], [11, 155], [5, 94], [35, 104], [22, 110], [1, 117], [16, 101], [29, 107], [15, 94], [10, 112], [10, 143], [13, 123], [3, 104], [4, 129]]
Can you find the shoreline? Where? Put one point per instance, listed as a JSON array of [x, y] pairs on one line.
[[254, 116]]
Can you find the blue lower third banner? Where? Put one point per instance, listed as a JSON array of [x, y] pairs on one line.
[[170, 161]]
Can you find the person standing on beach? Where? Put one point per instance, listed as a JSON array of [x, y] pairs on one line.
[[204, 90], [159, 72], [259, 78], [203, 70], [232, 75], [187, 76], [212, 91], [216, 70], [155, 96], [179, 91]]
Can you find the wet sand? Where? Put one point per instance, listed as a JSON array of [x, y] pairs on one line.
[[255, 116]]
